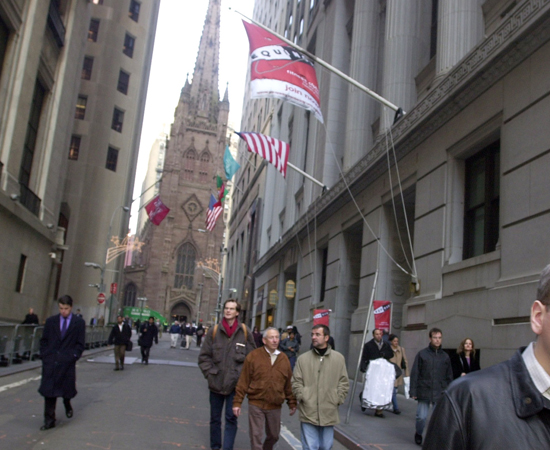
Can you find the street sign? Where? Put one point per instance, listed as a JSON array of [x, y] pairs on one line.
[[101, 298], [113, 288]]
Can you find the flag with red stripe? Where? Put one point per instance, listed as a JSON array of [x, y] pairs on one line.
[[271, 149], [215, 208]]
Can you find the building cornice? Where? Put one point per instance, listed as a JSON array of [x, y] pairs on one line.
[[525, 30]]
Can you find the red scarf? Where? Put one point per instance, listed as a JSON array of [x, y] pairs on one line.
[[230, 330]]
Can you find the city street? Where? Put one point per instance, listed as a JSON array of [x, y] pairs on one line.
[[160, 406]]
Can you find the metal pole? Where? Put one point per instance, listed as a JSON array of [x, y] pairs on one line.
[[199, 305], [365, 331], [326, 65], [292, 166]]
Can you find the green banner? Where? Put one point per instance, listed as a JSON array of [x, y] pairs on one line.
[[142, 314]]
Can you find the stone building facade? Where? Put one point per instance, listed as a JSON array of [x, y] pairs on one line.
[[459, 233], [167, 273]]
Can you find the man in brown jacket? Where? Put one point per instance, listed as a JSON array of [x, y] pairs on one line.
[[265, 378], [221, 360]]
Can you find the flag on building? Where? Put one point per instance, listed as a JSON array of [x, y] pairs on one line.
[[279, 71], [156, 210], [215, 208], [229, 164], [222, 191], [271, 149]]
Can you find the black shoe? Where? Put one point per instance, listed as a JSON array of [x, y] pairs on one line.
[[363, 408], [146, 363], [418, 439], [122, 368], [47, 426], [116, 368], [397, 411], [68, 409]]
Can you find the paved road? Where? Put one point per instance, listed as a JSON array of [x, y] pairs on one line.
[[160, 406]]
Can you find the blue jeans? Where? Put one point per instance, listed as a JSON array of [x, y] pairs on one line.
[[394, 400], [230, 431], [422, 410], [315, 437]]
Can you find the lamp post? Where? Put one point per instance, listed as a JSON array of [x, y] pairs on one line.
[[199, 304], [103, 266]]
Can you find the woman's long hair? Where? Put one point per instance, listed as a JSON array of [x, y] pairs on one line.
[[460, 349]]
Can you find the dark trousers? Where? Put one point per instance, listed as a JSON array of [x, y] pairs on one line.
[[216, 410], [49, 409], [145, 353]]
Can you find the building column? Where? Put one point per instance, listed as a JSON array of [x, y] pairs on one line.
[[406, 52], [459, 29], [364, 64]]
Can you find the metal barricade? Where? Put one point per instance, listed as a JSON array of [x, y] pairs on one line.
[[35, 342], [22, 343], [6, 338]]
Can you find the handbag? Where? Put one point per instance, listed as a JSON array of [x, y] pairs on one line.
[[129, 346], [139, 341], [407, 386]]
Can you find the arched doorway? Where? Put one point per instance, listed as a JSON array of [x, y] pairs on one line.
[[181, 312]]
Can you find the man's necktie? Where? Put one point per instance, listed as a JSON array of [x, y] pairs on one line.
[[64, 327]]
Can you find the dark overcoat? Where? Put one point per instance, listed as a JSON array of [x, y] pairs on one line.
[[118, 337], [59, 356], [149, 333]]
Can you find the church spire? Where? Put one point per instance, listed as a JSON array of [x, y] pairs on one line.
[[204, 88]]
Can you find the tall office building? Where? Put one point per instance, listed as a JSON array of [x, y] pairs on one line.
[[447, 206], [104, 146]]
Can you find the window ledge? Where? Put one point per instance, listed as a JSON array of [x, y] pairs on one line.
[[472, 262]]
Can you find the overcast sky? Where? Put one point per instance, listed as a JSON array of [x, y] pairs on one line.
[[179, 29]]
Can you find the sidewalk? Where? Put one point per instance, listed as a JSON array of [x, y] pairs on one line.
[[364, 431]]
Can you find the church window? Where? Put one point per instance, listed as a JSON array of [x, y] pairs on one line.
[[130, 294], [203, 169], [189, 165], [185, 267]]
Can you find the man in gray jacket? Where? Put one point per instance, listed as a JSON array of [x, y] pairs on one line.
[[221, 361], [430, 376], [320, 370]]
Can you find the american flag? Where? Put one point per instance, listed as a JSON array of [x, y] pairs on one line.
[[215, 208], [271, 149]]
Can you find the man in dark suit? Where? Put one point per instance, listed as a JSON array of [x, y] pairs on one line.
[[61, 346], [31, 318], [120, 336]]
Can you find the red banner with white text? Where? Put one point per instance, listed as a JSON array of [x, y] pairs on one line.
[[382, 315], [320, 317]]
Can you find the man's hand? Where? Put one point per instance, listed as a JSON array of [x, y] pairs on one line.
[[414, 398], [237, 411], [292, 411]]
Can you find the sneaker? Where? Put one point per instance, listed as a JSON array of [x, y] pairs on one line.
[[418, 439], [397, 411]]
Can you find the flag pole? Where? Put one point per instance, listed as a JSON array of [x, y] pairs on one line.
[[309, 177], [326, 65]]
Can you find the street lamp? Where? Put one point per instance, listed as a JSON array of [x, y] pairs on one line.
[[199, 304], [102, 267]]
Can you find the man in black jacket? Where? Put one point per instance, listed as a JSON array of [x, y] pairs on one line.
[[61, 346], [374, 349], [431, 374], [504, 406], [120, 336]]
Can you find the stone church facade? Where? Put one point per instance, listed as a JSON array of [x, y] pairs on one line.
[[168, 271]]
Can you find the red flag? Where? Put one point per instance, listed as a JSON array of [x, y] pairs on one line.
[[279, 71], [271, 149], [382, 314], [156, 210], [215, 208], [321, 317]]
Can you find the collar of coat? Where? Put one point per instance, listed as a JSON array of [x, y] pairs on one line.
[[528, 401]]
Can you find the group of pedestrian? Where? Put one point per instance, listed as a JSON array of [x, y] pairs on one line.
[[235, 368]]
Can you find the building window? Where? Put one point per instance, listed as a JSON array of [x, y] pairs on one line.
[[93, 30], [482, 201], [80, 112], [118, 119], [75, 147], [185, 267], [32, 134], [129, 43], [204, 163], [189, 165], [133, 13], [21, 273], [112, 159], [87, 68], [4, 38], [130, 294], [123, 82], [324, 262]]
